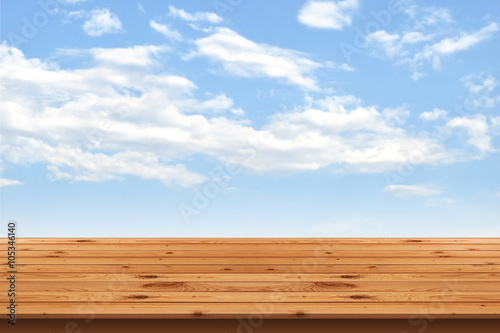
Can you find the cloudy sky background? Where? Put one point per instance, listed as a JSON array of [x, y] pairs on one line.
[[250, 118]]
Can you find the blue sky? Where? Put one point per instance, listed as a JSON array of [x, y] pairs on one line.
[[257, 118]]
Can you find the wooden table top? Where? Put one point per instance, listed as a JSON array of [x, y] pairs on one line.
[[255, 277]]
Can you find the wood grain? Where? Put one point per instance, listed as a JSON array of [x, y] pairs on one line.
[[257, 260], [262, 247], [244, 297], [268, 269], [278, 241], [269, 309], [259, 253], [262, 277]]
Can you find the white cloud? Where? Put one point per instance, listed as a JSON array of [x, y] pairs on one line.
[[495, 124], [339, 66], [328, 14], [346, 67], [242, 57], [238, 111], [395, 45], [434, 16], [193, 17], [388, 42], [76, 14], [9, 182], [86, 166], [412, 190], [165, 30], [434, 114], [398, 114], [487, 85], [102, 21], [417, 75], [447, 46], [420, 45], [477, 129], [480, 87], [382, 36], [427, 17], [414, 37], [139, 55], [84, 124], [329, 134], [451, 45]]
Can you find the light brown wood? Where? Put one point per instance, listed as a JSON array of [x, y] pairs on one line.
[[269, 309], [278, 240], [268, 269], [264, 277], [257, 260], [242, 286], [277, 277], [259, 253], [244, 297], [262, 246]]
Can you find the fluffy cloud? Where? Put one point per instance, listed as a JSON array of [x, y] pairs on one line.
[[495, 124], [339, 66], [9, 182], [102, 21], [336, 132], [448, 46], [193, 17], [432, 16], [432, 53], [477, 129], [481, 87], [388, 42], [165, 30], [412, 190], [84, 124], [428, 40], [116, 117], [434, 114], [71, 162], [328, 14], [398, 115], [393, 44], [243, 57], [139, 55]]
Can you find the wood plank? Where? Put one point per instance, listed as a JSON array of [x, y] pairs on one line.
[[243, 297], [312, 240], [242, 286], [257, 261], [272, 278], [268, 269], [260, 253], [261, 247], [277, 277], [258, 310]]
